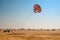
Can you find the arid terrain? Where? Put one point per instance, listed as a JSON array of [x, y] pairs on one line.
[[30, 35]]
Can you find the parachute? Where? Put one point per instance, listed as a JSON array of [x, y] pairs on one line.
[[37, 8]]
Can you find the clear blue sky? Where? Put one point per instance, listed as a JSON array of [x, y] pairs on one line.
[[19, 14]]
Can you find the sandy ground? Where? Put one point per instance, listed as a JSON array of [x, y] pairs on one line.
[[30, 35]]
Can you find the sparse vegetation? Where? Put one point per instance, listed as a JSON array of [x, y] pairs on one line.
[[31, 35], [29, 29], [53, 29], [7, 30], [22, 28]]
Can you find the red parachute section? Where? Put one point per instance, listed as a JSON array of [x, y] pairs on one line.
[[37, 8]]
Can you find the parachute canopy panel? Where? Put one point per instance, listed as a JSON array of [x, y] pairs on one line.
[[37, 8]]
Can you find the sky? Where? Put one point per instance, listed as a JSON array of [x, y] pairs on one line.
[[17, 14]]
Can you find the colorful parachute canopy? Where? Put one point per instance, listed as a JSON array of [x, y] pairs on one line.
[[37, 8]]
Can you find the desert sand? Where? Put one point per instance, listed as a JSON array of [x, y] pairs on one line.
[[30, 35]]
